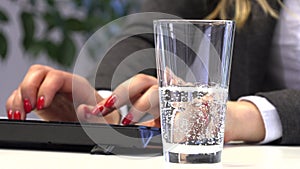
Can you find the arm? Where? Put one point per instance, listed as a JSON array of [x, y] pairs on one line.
[[252, 123], [243, 119], [288, 107]]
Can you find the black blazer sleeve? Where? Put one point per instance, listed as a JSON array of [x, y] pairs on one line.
[[287, 103]]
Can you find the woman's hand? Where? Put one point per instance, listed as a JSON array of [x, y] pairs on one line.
[[243, 119], [50, 92], [140, 92]]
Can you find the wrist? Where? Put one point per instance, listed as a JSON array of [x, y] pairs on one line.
[[245, 122]]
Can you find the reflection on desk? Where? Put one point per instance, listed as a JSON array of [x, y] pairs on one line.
[[234, 156]]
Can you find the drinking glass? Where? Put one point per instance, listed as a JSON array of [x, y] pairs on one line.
[[193, 59]]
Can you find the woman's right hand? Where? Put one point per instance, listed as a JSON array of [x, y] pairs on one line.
[[139, 92], [50, 93], [243, 119]]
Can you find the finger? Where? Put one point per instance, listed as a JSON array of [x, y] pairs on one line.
[[61, 109], [83, 92], [133, 88], [30, 85], [125, 93], [171, 78], [54, 82], [76, 87], [10, 99], [147, 103], [14, 107], [84, 114], [41, 83]]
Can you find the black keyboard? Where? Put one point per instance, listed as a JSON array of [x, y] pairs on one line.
[[80, 137]]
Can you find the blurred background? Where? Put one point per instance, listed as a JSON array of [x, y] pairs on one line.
[[49, 32]]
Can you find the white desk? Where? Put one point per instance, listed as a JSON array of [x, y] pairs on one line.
[[234, 156]]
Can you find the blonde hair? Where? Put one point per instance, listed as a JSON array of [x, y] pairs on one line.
[[242, 10]]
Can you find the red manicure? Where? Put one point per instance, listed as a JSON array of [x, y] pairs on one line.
[[110, 101], [27, 106], [97, 110], [10, 114], [17, 115], [128, 119], [40, 103], [103, 110]]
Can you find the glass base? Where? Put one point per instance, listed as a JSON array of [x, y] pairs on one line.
[[193, 158]]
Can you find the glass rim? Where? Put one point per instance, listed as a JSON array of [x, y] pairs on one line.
[[193, 21]]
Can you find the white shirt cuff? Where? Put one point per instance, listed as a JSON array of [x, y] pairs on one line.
[[273, 126]]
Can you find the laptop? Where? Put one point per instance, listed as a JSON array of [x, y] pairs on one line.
[[80, 137]]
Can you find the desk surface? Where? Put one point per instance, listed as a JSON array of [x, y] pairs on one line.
[[234, 156]]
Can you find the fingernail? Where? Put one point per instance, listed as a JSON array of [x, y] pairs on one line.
[[40, 103], [110, 101], [10, 114], [17, 115], [27, 105], [128, 119], [97, 110]]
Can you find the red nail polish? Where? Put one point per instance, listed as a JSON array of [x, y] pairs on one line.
[[110, 101], [27, 106], [40, 103], [10, 114], [98, 110], [17, 115], [128, 119]]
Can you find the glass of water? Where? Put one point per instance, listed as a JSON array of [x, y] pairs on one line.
[[193, 60]]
